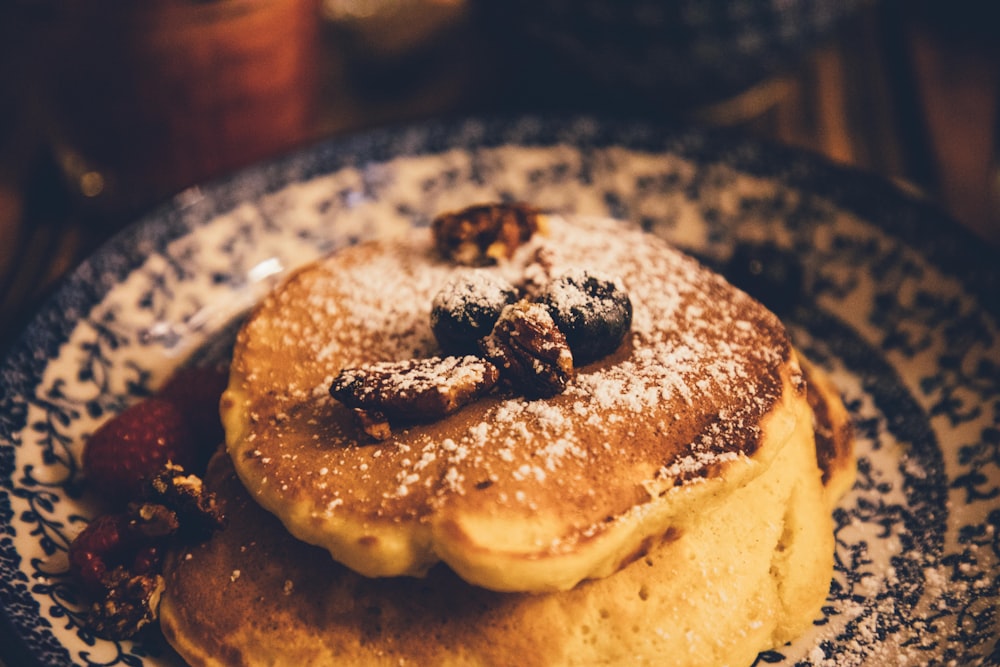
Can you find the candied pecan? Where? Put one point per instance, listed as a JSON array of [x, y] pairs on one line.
[[538, 272], [197, 509], [374, 423], [530, 351], [130, 604], [412, 390], [486, 233], [152, 520]]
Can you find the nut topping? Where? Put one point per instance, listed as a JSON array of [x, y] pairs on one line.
[[531, 335], [486, 233], [117, 558], [538, 272], [412, 390], [374, 423], [129, 605], [530, 351], [197, 510]]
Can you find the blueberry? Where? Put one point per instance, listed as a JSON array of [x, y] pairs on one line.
[[466, 309], [772, 275], [593, 313]]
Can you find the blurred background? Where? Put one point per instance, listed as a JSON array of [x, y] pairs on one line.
[[109, 106]]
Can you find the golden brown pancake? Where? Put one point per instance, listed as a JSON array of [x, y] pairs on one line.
[[674, 501], [701, 399], [749, 575], [833, 429]]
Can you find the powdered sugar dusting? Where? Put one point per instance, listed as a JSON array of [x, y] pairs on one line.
[[684, 394]]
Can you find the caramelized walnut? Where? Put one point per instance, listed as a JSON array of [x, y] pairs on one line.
[[486, 233], [197, 510], [412, 390], [538, 272], [530, 351], [152, 521], [129, 605], [374, 423]]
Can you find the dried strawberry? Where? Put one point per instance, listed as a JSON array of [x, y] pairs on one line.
[[197, 391], [135, 445]]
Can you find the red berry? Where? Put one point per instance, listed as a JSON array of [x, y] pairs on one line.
[[98, 549], [135, 445], [147, 560], [197, 391]]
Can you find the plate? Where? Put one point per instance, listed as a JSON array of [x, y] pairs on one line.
[[895, 302]]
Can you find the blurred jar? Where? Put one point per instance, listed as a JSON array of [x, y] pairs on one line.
[[145, 97]]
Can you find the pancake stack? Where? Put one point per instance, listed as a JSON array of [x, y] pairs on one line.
[[670, 505]]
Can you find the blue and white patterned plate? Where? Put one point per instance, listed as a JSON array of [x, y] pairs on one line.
[[899, 306]]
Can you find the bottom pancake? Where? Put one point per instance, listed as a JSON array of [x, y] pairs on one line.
[[750, 573]]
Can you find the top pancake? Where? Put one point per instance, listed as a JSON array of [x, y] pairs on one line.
[[513, 494]]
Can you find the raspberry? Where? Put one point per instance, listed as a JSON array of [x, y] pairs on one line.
[[100, 547], [135, 445], [118, 569], [180, 424], [148, 560], [197, 391]]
